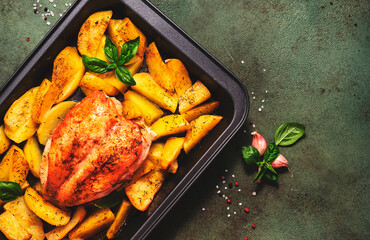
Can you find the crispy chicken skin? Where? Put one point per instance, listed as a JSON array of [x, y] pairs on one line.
[[92, 151]]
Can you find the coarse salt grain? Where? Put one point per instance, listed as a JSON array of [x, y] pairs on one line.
[[218, 191], [226, 170], [54, 5], [60, 14], [263, 100], [51, 1], [259, 109], [66, 4], [262, 106], [254, 125], [48, 23], [239, 190], [233, 175], [234, 212], [223, 195], [254, 98], [223, 182], [203, 209], [264, 70], [267, 91], [70, 4], [51, 13], [242, 61], [228, 215], [252, 93], [225, 187], [240, 204], [254, 193], [217, 186]]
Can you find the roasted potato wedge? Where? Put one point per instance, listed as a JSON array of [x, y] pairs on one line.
[[146, 86], [33, 154], [36, 108], [93, 224], [45, 210], [11, 227], [170, 124], [19, 125], [130, 110], [51, 119], [173, 167], [94, 83], [204, 109], [171, 151], [110, 77], [92, 31], [179, 75], [71, 86], [100, 54], [121, 217], [200, 127], [121, 31], [6, 165], [135, 67], [67, 71], [4, 140], [194, 96], [146, 167], [149, 111], [26, 218], [157, 68], [60, 232], [141, 193], [155, 153], [19, 170]]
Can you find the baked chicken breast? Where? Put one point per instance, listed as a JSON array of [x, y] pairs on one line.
[[92, 151]]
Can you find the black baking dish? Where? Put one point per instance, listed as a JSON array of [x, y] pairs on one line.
[[171, 42]]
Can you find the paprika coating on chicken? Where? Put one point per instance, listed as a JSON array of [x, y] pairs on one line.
[[92, 151]]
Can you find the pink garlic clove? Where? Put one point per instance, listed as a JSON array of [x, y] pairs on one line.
[[259, 142], [281, 161]]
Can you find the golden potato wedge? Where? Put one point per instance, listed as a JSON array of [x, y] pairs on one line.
[[26, 218], [33, 154], [146, 167], [157, 68], [51, 119], [100, 54], [86, 91], [23, 133], [11, 227], [195, 95], [110, 77], [179, 75], [206, 108], [4, 140], [93, 224], [121, 31], [6, 164], [173, 167], [135, 67], [36, 108], [171, 151], [19, 125], [200, 127], [19, 170], [141, 193], [94, 83], [45, 210], [121, 217], [155, 153], [130, 110], [91, 32], [60, 232], [170, 124], [71, 86], [149, 111], [20, 111], [67, 71], [146, 86]]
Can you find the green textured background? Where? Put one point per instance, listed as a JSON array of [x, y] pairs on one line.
[[313, 58]]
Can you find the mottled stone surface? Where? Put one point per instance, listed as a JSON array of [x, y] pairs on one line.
[[313, 58]]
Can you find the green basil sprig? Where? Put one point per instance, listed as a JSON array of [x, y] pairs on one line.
[[288, 133], [250, 154], [271, 153], [128, 51], [111, 200], [9, 191]]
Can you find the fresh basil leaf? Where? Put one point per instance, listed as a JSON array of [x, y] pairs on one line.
[[271, 153], [9, 191], [124, 75], [250, 154], [272, 176], [110, 50], [95, 65], [269, 167], [112, 66], [261, 172], [288, 133], [111, 200], [128, 51]]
